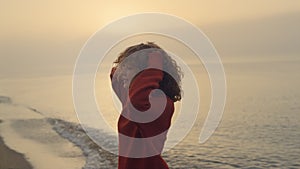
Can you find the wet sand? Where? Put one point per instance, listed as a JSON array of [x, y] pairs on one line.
[[28, 132], [29, 139], [12, 159]]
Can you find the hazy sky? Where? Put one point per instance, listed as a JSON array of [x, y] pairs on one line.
[[39, 36]]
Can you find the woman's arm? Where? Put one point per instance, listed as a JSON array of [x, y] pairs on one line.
[[146, 81]]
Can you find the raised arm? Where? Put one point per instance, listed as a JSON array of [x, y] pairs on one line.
[[146, 81]]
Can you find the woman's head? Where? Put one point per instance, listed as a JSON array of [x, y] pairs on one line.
[[171, 83]]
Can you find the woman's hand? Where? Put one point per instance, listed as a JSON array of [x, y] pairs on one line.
[[155, 60]]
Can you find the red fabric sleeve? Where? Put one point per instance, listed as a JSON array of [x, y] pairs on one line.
[[145, 82]]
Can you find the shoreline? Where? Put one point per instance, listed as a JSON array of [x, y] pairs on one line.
[[96, 157], [12, 159], [26, 132], [66, 143]]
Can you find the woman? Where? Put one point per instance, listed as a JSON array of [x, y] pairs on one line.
[[150, 68]]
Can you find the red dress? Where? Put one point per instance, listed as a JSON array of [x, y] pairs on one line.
[[139, 91]]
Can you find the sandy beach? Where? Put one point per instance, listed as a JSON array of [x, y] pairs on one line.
[[12, 159], [31, 140], [27, 132]]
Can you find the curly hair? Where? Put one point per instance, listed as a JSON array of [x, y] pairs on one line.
[[170, 84]]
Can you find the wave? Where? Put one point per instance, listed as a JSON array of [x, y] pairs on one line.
[[96, 157]]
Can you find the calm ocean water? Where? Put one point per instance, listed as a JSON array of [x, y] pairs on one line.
[[264, 136], [260, 127]]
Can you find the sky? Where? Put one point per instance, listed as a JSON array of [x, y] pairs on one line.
[[42, 37]]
